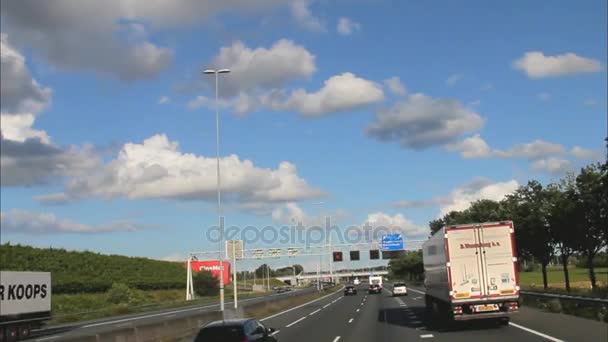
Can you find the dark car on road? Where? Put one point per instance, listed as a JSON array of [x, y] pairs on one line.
[[237, 330], [374, 288], [350, 290]]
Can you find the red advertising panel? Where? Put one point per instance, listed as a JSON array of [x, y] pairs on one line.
[[213, 266]]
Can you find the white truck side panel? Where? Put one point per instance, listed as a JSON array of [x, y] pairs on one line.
[[24, 292], [435, 271]]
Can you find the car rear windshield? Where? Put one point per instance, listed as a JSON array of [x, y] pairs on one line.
[[221, 334], [399, 284]]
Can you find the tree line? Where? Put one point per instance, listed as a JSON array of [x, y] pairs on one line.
[[562, 219]]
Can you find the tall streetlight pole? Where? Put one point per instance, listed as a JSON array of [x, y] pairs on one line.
[[219, 202]]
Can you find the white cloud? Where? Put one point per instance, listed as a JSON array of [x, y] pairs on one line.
[[20, 93], [395, 86], [339, 94], [157, 169], [261, 68], [164, 100], [398, 222], [19, 128], [536, 65], [421, 121], [347, 26], [533, 150], [552, 165], [303, 15], [30, 222], [289, 213], [111, 37], [471, 147], [585, 154], [461, 197], [544, 96], [453, 79]]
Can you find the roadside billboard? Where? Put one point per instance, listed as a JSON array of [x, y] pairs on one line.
[[213, 266]]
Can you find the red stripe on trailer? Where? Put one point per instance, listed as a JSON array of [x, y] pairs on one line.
[[514, 255], [447, 253]]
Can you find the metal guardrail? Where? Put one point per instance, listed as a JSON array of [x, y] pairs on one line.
[[568, 297]]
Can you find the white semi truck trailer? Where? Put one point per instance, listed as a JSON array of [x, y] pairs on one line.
[[471, 272], [25, 303]]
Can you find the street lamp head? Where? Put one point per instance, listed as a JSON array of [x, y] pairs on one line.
[[209, 71], [223, 71]]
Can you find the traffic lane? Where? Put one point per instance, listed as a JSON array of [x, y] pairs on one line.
[[322, 321], [383, 319], [564, 327], [288, 316], [108, 324], [519, 329]]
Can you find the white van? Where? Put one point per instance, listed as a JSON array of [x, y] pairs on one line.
[[356, 281]]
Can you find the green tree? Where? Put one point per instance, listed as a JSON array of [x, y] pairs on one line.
[[204, 283], [409, 264], [592, 189], [565, 217], [528, 207]]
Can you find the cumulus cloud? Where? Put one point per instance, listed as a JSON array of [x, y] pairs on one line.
[[585, 154], [552, 165], [421, 121], [536, 65], [532, 150], [347, 26], [339, 93], [453, 79], [261, 68], [19, 128], [300, 10], [111, 37], [30, 222], [395, 86], [20, 93], [157, 169], [471, 147], [461, 197], [397, 222], [164, 100]]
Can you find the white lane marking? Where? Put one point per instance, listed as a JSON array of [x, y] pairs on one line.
[[410, 289], [416, 322], [325, 306], [550, 338], [358, 310], [299, 306], [417, 297], [276, 332], [296, 321], [336, 339], [48, 338], [427, 336], [314, 312], [350, 320], [362, 304]]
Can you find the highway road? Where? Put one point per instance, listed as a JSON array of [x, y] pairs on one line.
[[98, 326], [381, 317]]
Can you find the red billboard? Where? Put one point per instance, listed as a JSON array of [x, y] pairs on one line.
[[213, 266]]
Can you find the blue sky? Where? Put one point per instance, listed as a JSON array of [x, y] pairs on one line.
[[391, 112]]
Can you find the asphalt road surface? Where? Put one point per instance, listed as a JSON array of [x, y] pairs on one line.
[[381, 317], [91, 328]]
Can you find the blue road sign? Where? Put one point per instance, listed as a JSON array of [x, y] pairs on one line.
[[392, 242]]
